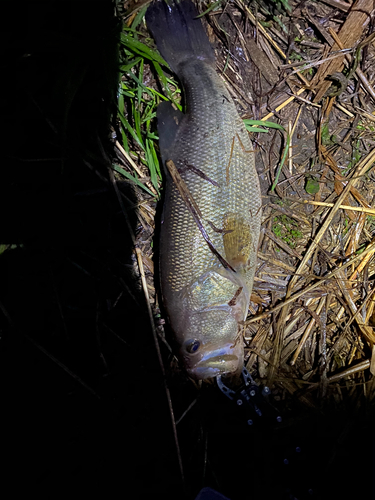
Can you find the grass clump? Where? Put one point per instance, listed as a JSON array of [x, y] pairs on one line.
[[137, 102]]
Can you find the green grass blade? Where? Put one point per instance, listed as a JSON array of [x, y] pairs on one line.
[[138, 18], [163, 79], [152, 136], [140, 48], [137, 123], [139, 83], [149, 114], [125, 141], [155, 157], [132, 178], [120, 102], [130, 129], [281, 163], [264, 124], [255, 129], [125, 68], [151, 165], [211, 7], [140, 77]]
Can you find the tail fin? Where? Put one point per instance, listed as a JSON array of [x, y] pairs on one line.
[[178, 35]]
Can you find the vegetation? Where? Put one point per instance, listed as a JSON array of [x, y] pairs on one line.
[[137, 102], [286, 229]]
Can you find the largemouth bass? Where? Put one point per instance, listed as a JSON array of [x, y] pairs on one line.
[[206, 288]]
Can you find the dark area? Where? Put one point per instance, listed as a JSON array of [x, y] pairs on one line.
[[82, 398]]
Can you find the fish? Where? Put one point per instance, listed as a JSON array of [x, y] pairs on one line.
[[211, 213]]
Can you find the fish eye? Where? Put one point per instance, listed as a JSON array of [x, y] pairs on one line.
[[192, 346]]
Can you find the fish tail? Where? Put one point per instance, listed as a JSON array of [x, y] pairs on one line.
[[179, 36]]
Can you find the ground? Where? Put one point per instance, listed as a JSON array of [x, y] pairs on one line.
[[327, 111]]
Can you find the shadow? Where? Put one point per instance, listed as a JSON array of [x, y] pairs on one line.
[[84, 397]]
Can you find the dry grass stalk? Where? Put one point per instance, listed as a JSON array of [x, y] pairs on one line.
[[364, 365], [344, 110], [293, 298], [343, 207], [361, 169], [307, 332], [291, 131], [283, 105], [299, 98]]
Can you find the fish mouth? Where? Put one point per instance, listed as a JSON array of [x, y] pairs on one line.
[[225, 360]]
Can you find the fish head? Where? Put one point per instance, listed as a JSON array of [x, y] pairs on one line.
[[212, 344]]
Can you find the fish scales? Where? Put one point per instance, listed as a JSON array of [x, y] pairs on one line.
[[205, 139], [210, 147]]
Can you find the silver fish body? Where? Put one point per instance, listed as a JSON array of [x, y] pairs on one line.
[[206, 301]]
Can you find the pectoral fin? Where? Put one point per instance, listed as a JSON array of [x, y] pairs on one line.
[[237, 240]]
